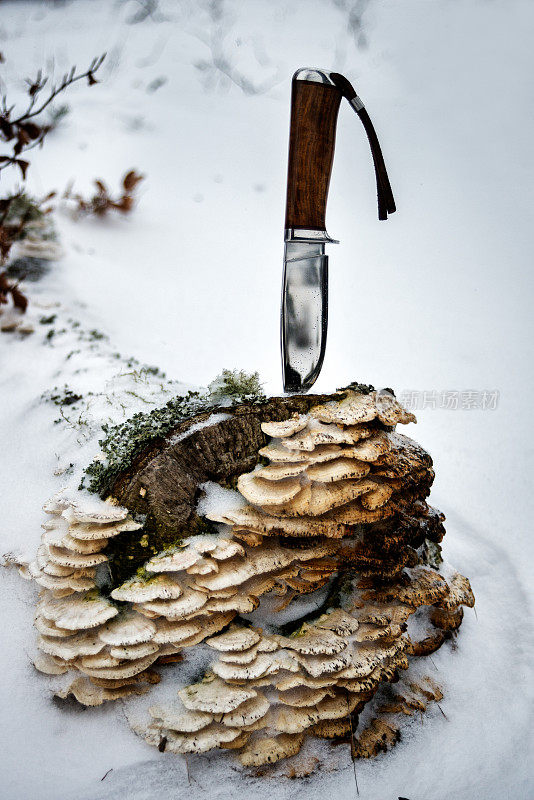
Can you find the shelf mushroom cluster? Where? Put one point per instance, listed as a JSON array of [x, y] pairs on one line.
[[265, 693], [337, 502], [335, 477]]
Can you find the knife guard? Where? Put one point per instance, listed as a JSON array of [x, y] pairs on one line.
[[314, 111]]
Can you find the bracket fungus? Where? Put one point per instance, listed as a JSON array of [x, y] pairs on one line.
[[331, 505]]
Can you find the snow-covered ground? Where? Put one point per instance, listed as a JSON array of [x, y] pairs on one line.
[[436, 299]]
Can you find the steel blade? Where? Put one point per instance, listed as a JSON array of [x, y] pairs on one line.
[[304, 318]]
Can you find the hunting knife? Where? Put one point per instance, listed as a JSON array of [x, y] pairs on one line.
[[315, 99]]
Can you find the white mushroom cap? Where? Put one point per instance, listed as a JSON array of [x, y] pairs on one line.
[[190, 601], [296, 720], [390, 411], [130, 652], [286, 682], [264, 492], [301, 696], [372, 448], [83, 611], [141, 589], [90, 510], [242, 604], [279, 454], [54, 535], [264, 664], [49, 665], [317, 666], [179, 720], [214, 696], [339, 469], [290, 426], [128, 628], [234, 640], [147, 676], [82, 546], [318, 498], [102, 659], [58, 583], [353, 409], [66, 585], [123, 670], [210, 624], [277, 472], [270, 750], [174, 631], [201, 741], [254, 520], [268, 558], [314, 641], [368, 450], [82, 644], [49, 568], [204, 543], [94, 531], [460, 592], [378, 497], [204, 566], [173, 560], [49, 628], [248, 712], [242, 657], [57, 503], [227, 548], [66, 558], [88, 694], [319, 434]]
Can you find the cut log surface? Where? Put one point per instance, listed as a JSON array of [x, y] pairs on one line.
[[163, 481]]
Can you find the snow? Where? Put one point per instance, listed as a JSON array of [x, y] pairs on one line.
[[215, 499], [437, 298]]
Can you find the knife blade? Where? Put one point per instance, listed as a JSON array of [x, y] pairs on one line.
[[304, 314], [315, 99]]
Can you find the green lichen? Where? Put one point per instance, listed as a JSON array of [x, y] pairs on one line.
[[124, 441], [236, 385]]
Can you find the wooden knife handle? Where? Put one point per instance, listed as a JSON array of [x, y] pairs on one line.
[[314, 110]]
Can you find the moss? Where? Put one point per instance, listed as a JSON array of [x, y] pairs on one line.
[[363, 388], [237, 385]]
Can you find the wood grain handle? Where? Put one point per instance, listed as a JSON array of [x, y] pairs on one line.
[[314, 110]]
